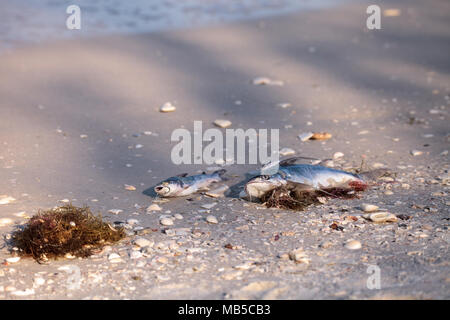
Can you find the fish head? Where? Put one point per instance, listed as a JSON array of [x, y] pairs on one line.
[[168, 188], [260, 185]]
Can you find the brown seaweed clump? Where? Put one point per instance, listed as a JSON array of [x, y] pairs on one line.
[[64, 230], [285, 198]]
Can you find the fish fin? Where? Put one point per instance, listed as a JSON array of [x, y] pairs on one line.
[[289, 161], [181, 175]]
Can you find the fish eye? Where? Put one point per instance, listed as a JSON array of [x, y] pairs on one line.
[[265, 177]]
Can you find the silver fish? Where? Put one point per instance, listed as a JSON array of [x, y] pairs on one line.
[[304, 177], [182, 185]]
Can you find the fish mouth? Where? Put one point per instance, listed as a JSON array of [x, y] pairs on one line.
[[161, 190]]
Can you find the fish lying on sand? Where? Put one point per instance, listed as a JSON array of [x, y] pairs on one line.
[[306, 177], [182, 185]]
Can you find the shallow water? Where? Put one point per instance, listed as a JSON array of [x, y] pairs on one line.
[[35, 21]]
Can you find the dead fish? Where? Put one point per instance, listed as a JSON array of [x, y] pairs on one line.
[[182, 185], [307, 177]]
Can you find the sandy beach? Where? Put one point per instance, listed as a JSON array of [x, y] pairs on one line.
[[80, 120]]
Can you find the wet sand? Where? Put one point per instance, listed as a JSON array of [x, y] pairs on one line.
[[73, 112]]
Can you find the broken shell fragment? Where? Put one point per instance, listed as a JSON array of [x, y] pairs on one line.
[[305, 136], [353, 245], [381, 217], [369, 207], [4, 199], [287, 152], [222, 123], [167, 107], [321, 136]]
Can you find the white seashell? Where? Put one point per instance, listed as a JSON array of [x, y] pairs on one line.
[[380, 217], [416, 152], [209, 205], [13, 259], [5, 222], [166, 221], [305, 136], [142, 242], [287, 152], [353, 245], [338, 155], [369, 207], [167, 107], [4, 199], [221, 123], [115, 211], [154, 207], [212, 219]]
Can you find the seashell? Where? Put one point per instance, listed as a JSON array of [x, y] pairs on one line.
[[381, 217], [321, 136], [221, 123], [369, 207], [167, 107], [353, 245], [212, 219]]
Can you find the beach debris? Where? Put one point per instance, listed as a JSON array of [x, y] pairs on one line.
[[337, 155], [129, 187], [221, 123], [114, 258], [142, 242], [366, 207], [305, 136], [261, 81], [321, 136], [115, 211], [299, 256], [415, 153], [284, 105], [153, 207], [166, 221], [167, 107], [4, 199], [287, 152], [380, 217], [49, 234], [209, 205], [212, 219], [353, 245], [182, 185], [13, 259]]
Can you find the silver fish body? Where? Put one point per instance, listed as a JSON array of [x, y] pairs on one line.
[[313, 177], [182, 185]]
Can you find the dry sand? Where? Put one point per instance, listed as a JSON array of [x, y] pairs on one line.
[[72, 113]]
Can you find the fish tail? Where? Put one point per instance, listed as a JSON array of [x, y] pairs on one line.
[[220, 173]]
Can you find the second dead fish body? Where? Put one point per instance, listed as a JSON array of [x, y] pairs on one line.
[[305, 177], [182, 185]]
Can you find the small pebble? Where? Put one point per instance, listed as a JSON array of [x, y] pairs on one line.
[[416, 153], [142, 242], [338, 155], [13, 259]]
